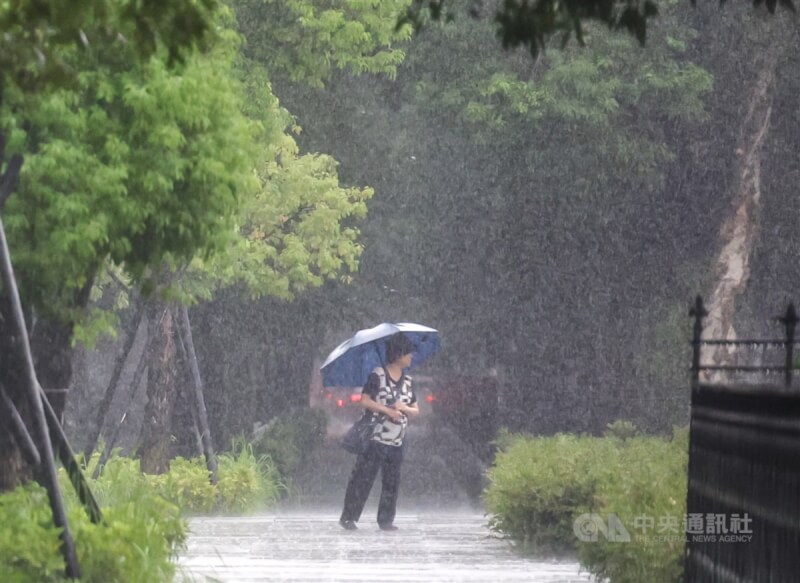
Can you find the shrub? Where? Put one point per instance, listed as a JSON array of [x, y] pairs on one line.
[[289, 439], [650, 484], [188, 485], [538, 486], [537, 483], [136, 541], [29, 542], [621, 429], [121, 480], [142, 528], [246, 482]]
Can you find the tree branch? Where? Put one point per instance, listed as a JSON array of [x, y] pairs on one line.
[[117, 280]]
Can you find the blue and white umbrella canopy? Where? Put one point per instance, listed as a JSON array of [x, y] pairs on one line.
[[351, 362]]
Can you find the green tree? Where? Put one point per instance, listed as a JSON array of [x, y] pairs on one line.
[[292, 232], [37, 34], [133, 165], [306, 40], [136, 159], [294, 228], [297, 229], [533, 24]]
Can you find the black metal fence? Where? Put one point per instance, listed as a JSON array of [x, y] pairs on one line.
[[743, 505]]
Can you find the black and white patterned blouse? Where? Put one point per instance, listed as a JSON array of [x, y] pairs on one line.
[[382, 389]]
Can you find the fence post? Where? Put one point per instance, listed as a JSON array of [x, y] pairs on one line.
[[698, 312], [790, 323]]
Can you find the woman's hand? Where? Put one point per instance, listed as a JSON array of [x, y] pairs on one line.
[[410, 410], [400, 406], [394, 413]]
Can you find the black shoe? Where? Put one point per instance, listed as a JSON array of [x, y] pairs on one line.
[[388, 527], [347, 524]]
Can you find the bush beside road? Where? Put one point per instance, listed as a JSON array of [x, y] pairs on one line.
[[583, 496]]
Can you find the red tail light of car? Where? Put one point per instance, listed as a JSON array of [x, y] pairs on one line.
[[430, 398], [355, 398]]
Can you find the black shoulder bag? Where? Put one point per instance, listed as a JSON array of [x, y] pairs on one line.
[[357, 438]]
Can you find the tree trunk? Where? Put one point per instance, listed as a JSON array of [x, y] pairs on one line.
[[740, 230], [8, 180], [161, 391], [51, 345]]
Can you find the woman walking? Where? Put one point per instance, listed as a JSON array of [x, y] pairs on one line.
[[389, 398]]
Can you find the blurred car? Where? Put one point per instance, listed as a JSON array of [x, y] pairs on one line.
[[344, 403], [426, 394]]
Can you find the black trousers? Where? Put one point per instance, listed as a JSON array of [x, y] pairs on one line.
[[388, 459]]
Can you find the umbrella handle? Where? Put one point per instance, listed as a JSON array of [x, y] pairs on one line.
[[380, 358], [385, 372]]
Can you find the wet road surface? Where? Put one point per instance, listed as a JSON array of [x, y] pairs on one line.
[[303, 546]]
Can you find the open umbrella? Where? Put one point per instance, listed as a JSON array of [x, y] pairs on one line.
[[351, 362]]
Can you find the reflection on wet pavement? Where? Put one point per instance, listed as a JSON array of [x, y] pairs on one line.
[[311, 547]]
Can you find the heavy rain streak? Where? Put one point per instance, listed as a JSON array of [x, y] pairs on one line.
[[408, 291]]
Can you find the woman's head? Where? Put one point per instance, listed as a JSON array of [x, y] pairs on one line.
[[397, 347]]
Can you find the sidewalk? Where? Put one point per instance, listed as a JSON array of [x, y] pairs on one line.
[[311, 547]]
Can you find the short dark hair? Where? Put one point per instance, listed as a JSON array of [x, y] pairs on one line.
[[398, 346]]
